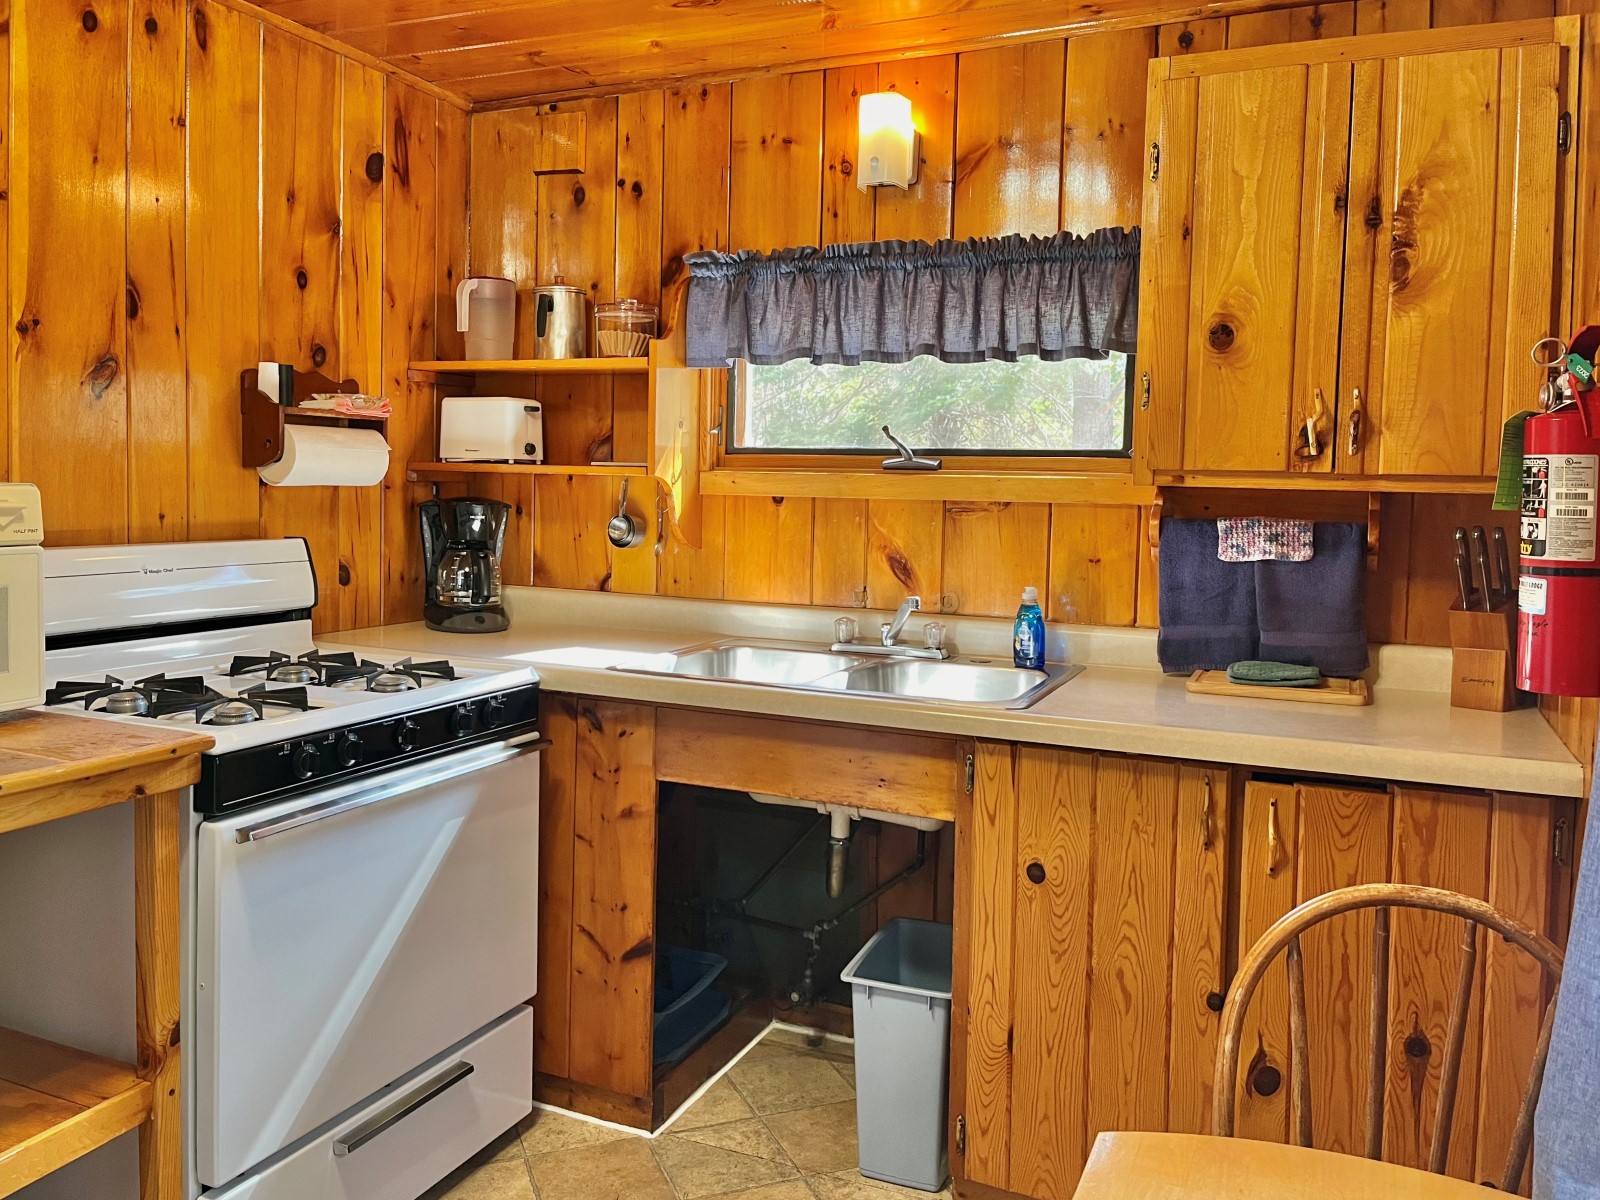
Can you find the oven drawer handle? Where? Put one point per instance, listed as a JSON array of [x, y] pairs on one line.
[[428, 1090], [499, 753]]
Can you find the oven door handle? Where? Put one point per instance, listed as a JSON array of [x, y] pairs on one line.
[[399, 1110], [354, 798]]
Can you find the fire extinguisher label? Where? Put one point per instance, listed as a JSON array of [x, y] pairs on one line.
[[1559, 493], [1531, 592]]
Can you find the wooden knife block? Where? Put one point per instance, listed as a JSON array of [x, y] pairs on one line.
[[1483, 648]]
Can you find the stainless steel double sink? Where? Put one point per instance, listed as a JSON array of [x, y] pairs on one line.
[[980, 682]]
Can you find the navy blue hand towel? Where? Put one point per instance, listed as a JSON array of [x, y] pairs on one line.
[[1208, 607], [1313, 612]]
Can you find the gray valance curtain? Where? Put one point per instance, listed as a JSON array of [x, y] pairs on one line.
[[1067, 296]]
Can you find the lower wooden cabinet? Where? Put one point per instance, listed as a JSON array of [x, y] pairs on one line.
[[1300, 840], [1102, 902], [1090, 922]]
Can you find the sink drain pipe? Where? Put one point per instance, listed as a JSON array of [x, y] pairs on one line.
[[841, 819]]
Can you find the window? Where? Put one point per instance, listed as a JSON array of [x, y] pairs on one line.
[[1031, 408]]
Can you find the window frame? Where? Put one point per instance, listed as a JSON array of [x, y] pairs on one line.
[[730, 453]]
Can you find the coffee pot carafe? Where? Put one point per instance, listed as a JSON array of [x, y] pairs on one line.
[[462, 544]]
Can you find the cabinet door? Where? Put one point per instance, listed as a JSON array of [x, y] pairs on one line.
[[1451, 238], [1299, 841], [1090, 913], [1245, 226]]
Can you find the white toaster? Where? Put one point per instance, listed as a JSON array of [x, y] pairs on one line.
[[490, 429]]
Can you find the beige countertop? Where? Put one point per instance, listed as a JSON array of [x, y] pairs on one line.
[[1118, 703]]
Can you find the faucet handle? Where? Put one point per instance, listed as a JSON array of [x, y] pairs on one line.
[[914, 603]]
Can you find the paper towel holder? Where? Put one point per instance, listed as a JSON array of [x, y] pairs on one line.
[[261, 429]]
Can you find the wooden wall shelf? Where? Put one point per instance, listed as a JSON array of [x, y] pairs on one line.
[[423, 471], [426, 372], [672, 421]]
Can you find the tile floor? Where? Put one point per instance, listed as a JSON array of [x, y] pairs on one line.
[[780, 1126]]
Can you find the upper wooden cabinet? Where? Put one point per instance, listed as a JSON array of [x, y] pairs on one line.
[[1350, 247]]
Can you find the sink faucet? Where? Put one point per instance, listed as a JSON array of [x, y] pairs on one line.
[[888, 646], [891, 629]]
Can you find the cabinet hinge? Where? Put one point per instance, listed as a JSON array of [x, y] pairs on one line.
[[1155, 161], [1558, 842], [1564, 133], [967, 775], [961, 1136]]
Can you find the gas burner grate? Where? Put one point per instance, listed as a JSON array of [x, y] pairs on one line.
[[177, 701], [71, 691], [289, 697], [251, 664], [153, 696], [405, 675]]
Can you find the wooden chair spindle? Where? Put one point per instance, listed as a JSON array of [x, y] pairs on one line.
[[1455, 1042], [1299, 1046], [1379, 1032]]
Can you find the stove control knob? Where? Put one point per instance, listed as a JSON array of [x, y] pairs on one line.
[[405, 735], [463, 721], [305, 760], [494, 711], [350, 748]]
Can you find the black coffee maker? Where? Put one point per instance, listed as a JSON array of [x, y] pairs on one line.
[[462, 542]]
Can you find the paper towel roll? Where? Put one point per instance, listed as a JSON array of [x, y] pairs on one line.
[[328, 456]]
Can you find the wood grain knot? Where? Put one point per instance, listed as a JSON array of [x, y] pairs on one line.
[[319, 356], [344, 574], [1374, 217], [1186, 39], [1035, 872], [200, 30], [1417, 1046], [1214, 1001], [301, 279], [1266, 1081], [90, 21], [1220, 336], [375, 166], [151, 25], [579, 195]]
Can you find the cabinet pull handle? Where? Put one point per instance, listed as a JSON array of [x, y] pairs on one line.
[[1144, 391], [1155, 161], [1355, 422], [1310, 439], [1274, 839], [1205, 813]]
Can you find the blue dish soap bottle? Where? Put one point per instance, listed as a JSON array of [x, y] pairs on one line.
[[1027, 637]]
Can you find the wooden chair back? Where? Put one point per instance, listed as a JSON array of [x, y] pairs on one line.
[[1284, 937]]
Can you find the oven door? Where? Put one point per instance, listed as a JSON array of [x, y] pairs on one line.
[[345, 937]]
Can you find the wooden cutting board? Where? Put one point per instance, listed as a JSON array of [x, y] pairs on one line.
[[1328, 691]]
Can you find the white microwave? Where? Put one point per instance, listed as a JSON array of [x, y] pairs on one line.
[[21, 597]]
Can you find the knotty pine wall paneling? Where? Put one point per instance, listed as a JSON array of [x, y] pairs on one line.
[[1019, 138], [228, 191]]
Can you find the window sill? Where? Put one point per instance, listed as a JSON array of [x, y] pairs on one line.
[[948, 484]]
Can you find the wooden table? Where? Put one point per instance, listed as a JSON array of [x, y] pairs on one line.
[[58, 1103], [1186, 1166]]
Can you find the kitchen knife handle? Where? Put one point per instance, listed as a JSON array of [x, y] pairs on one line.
[[1480, 556]]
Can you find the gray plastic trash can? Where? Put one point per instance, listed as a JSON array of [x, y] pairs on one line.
[[900, 989]]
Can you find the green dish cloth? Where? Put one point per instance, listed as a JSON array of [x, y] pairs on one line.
[[1274, 674]]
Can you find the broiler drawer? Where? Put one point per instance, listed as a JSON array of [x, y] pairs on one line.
[[413, 1133]]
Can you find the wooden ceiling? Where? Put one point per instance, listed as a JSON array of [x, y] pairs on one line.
[[493, 51]]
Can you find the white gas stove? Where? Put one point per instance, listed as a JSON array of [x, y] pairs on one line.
[[361, 873]]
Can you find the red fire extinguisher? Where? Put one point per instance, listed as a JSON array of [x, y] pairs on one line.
[[1558, 598]]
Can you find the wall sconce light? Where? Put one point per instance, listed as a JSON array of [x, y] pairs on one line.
[[888, 149]]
